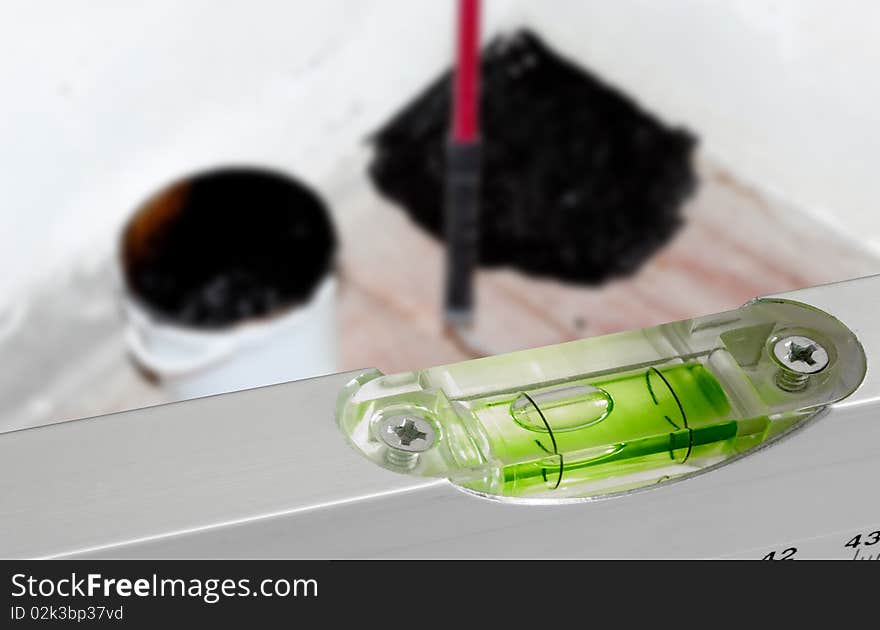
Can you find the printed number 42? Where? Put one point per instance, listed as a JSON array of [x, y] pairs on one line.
[[785, 554], [870, 539]]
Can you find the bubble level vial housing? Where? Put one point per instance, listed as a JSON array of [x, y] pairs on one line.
[[611, 414]]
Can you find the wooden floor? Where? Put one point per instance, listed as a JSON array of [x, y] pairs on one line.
[[736, 245]]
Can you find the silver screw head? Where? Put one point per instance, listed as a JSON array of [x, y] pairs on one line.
[[407, 432], [801, 355]]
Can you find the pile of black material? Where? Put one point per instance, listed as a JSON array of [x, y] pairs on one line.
[[578, 183], [227, 246]]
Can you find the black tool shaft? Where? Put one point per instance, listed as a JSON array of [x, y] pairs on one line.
[[462, 229]]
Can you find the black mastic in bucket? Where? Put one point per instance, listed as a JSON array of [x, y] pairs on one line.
[[228, 245]]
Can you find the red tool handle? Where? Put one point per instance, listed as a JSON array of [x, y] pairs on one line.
[[466, 97]]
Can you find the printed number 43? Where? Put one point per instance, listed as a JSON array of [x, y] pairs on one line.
[[869, 539], [785, 554]]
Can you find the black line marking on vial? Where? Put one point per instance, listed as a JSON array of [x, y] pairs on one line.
[[552, 439], [544, 448], [680, 408], [654, 396], [651, 389], [690, 446]]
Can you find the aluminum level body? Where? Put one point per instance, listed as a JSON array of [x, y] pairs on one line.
[[265, 473]]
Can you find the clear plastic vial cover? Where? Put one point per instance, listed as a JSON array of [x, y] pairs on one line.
[[609, 414]]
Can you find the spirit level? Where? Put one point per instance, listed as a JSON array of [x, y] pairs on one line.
[[609, 414], [752, 433]]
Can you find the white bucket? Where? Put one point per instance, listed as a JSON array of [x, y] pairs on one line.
[[280, 344], [190, 362]]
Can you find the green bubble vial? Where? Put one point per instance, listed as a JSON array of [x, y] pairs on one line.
[[605, 415]]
